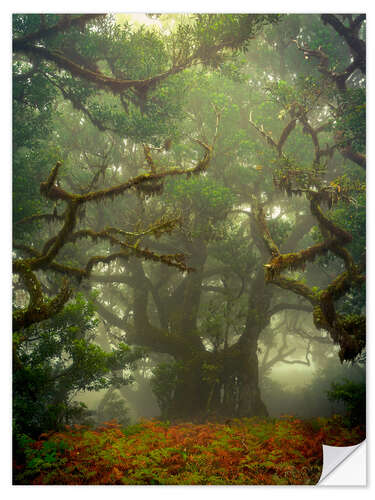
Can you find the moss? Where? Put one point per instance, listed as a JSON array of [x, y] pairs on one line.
[[352, 339], [150, 183], [263, 229], [42, 310], [96, 259], [348, 331], [23, 269], [295, 261]]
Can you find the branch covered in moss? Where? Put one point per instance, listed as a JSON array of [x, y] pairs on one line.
[[39, 308], [53, 192], [347, 331], [39, 217], [30, 45]]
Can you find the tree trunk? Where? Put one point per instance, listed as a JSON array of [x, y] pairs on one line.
[[250, 403]]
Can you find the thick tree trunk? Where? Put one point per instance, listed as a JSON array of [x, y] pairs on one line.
[[231, 391], [249, 399], [192, 392]]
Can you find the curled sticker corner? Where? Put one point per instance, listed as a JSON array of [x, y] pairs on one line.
[[333, 456]]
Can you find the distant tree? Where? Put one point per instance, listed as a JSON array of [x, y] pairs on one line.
[[112, 407]]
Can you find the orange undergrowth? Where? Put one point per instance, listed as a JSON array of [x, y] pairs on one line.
[[245, 451]]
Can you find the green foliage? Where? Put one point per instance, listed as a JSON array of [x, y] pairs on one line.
[[45, 457], [204, 195], [163, 384], [280, 229], [351, 118], [33, 153], [56, 359], [206, 31], [352, 217], [234, 251], [353, 395]]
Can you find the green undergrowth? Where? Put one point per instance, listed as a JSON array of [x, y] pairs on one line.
[[242, 451]]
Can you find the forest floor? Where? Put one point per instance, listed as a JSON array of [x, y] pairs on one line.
[[254, 451]]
